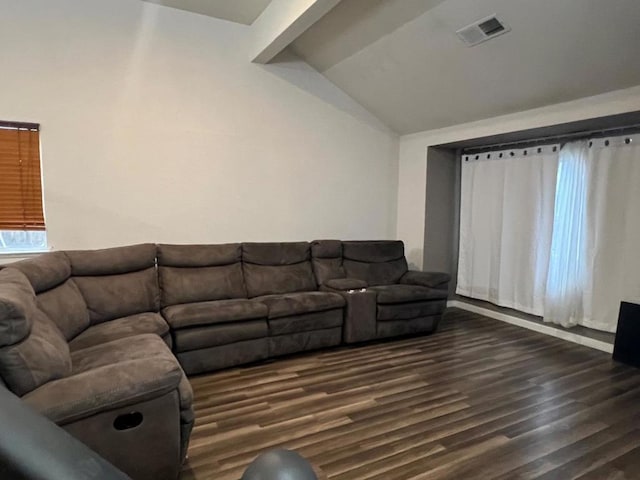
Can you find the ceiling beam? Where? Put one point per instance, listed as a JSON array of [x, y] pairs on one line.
[[282, 22]]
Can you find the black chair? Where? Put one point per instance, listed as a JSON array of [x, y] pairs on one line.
[[34, 448]]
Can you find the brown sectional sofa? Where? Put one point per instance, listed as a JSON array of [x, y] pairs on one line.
[[99, 341]]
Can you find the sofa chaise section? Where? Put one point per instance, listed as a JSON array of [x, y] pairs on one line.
[[204, 299], [300, 318]]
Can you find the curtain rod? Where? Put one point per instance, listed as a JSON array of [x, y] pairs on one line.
[[628, 129]]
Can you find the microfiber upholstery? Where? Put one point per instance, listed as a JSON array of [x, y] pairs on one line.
[[66, 307], [114, 296], [112, 261], [426, 279], [270, 254], [17, 300], [274, 268], [346, 284], [188, 285], [82, 333], [375, 262], [195, 338], [120, 372], [116, 282], [197, 273], [408, 311], [307, 322], [33, 350], [297, 303], [113, 374], [66, 324], [45, 271], [57, 294], [119, 350], [407, 293], [326, 258], [212, 313], [198, 255], [130, 326]]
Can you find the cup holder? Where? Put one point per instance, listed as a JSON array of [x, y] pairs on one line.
[[127, 421]]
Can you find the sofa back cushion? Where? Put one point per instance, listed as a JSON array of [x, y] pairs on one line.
[[45, 271], [17, 298], [200, 273], [66, 307], [116, 282], [56, 293], [379, 262], [33, 351], [326, 258], [272, 268]]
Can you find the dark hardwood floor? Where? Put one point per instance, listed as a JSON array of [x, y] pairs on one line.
[[479, 399]]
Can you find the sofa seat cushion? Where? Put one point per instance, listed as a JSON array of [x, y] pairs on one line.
[[118, 350], [105, 376], [306, 322], [214, 312], [120, 328], [195, 338], [287, 304], [406, 293], [131, 350]]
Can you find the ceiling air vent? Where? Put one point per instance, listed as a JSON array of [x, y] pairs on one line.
[[482, 30]]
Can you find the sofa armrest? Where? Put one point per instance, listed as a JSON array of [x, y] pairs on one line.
[[345, 284], [105, 388], [426, 279]]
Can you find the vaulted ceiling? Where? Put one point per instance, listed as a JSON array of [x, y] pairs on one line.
[[239, 11], [402, 60]]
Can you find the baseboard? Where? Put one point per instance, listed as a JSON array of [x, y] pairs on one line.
[[536, 327]]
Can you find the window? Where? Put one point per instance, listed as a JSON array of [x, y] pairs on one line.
[[553, 233], [22, 227]]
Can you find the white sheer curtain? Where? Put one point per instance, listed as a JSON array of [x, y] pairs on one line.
[[506, 218], [613, 230], [567, 276], [555, 236], [595, 261]]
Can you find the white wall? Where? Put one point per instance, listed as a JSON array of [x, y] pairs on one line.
[[413, 152], [157, 128]]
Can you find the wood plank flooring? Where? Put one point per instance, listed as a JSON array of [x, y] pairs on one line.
[[479, 399]]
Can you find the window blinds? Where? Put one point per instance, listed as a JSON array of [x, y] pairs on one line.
[[20, 178]]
